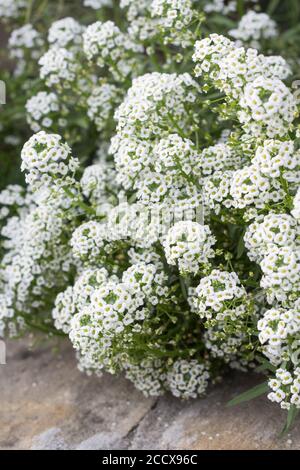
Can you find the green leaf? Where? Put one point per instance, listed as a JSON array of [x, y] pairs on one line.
[[290, 419], [241, 246], [254, 392], [240, 7], [183, 286], [223, 21], [291, 33], [265, 365], [272, 6]]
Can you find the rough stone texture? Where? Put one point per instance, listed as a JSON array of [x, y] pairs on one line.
[[46, 403]]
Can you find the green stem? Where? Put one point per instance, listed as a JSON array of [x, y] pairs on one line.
[[29, 11], [240, 8], [183, 286], [80, 203], [180, 131], [285, 186]]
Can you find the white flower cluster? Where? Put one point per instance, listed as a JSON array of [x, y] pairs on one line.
[[286, 388], [76, 297], [11, 8], [253, 28], [151, 21], [131, 222], [13, 200], [172, 13], [41, 109], [149, 376], [36, 262], [269, 233], [220, 6], [269, 104], [153, 97], [173, 19], [59, 67], [279, 329], [108, 46], [232, 349], [281, 274], [250, 187], [189, 244], [218, 157], [88, 240], [188, 379], [96, 4], [216, 190], [142, 26], [65, 32], [45, 158], [273, 242], [184, 378], [225, 7], [101, 104], [167, 179], [126, 224], [25, 39], [264, 104], [220, 295], [106, 327], [134, 9], [277, 158], [152, 100], [95, 181]]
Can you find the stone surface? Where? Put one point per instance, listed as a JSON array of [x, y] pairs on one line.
[[46, 403]]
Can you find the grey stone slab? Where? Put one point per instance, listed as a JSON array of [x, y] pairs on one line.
[[46, 403]]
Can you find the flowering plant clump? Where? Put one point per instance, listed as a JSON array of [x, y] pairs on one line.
[[163, 240]]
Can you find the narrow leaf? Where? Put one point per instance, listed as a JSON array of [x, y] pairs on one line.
[[223, 21], [291, 416], [265, 365], [254, 392], [272, 6], [241, 246]]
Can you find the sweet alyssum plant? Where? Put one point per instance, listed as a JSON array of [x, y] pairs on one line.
[[176, 254], [35, 26]]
